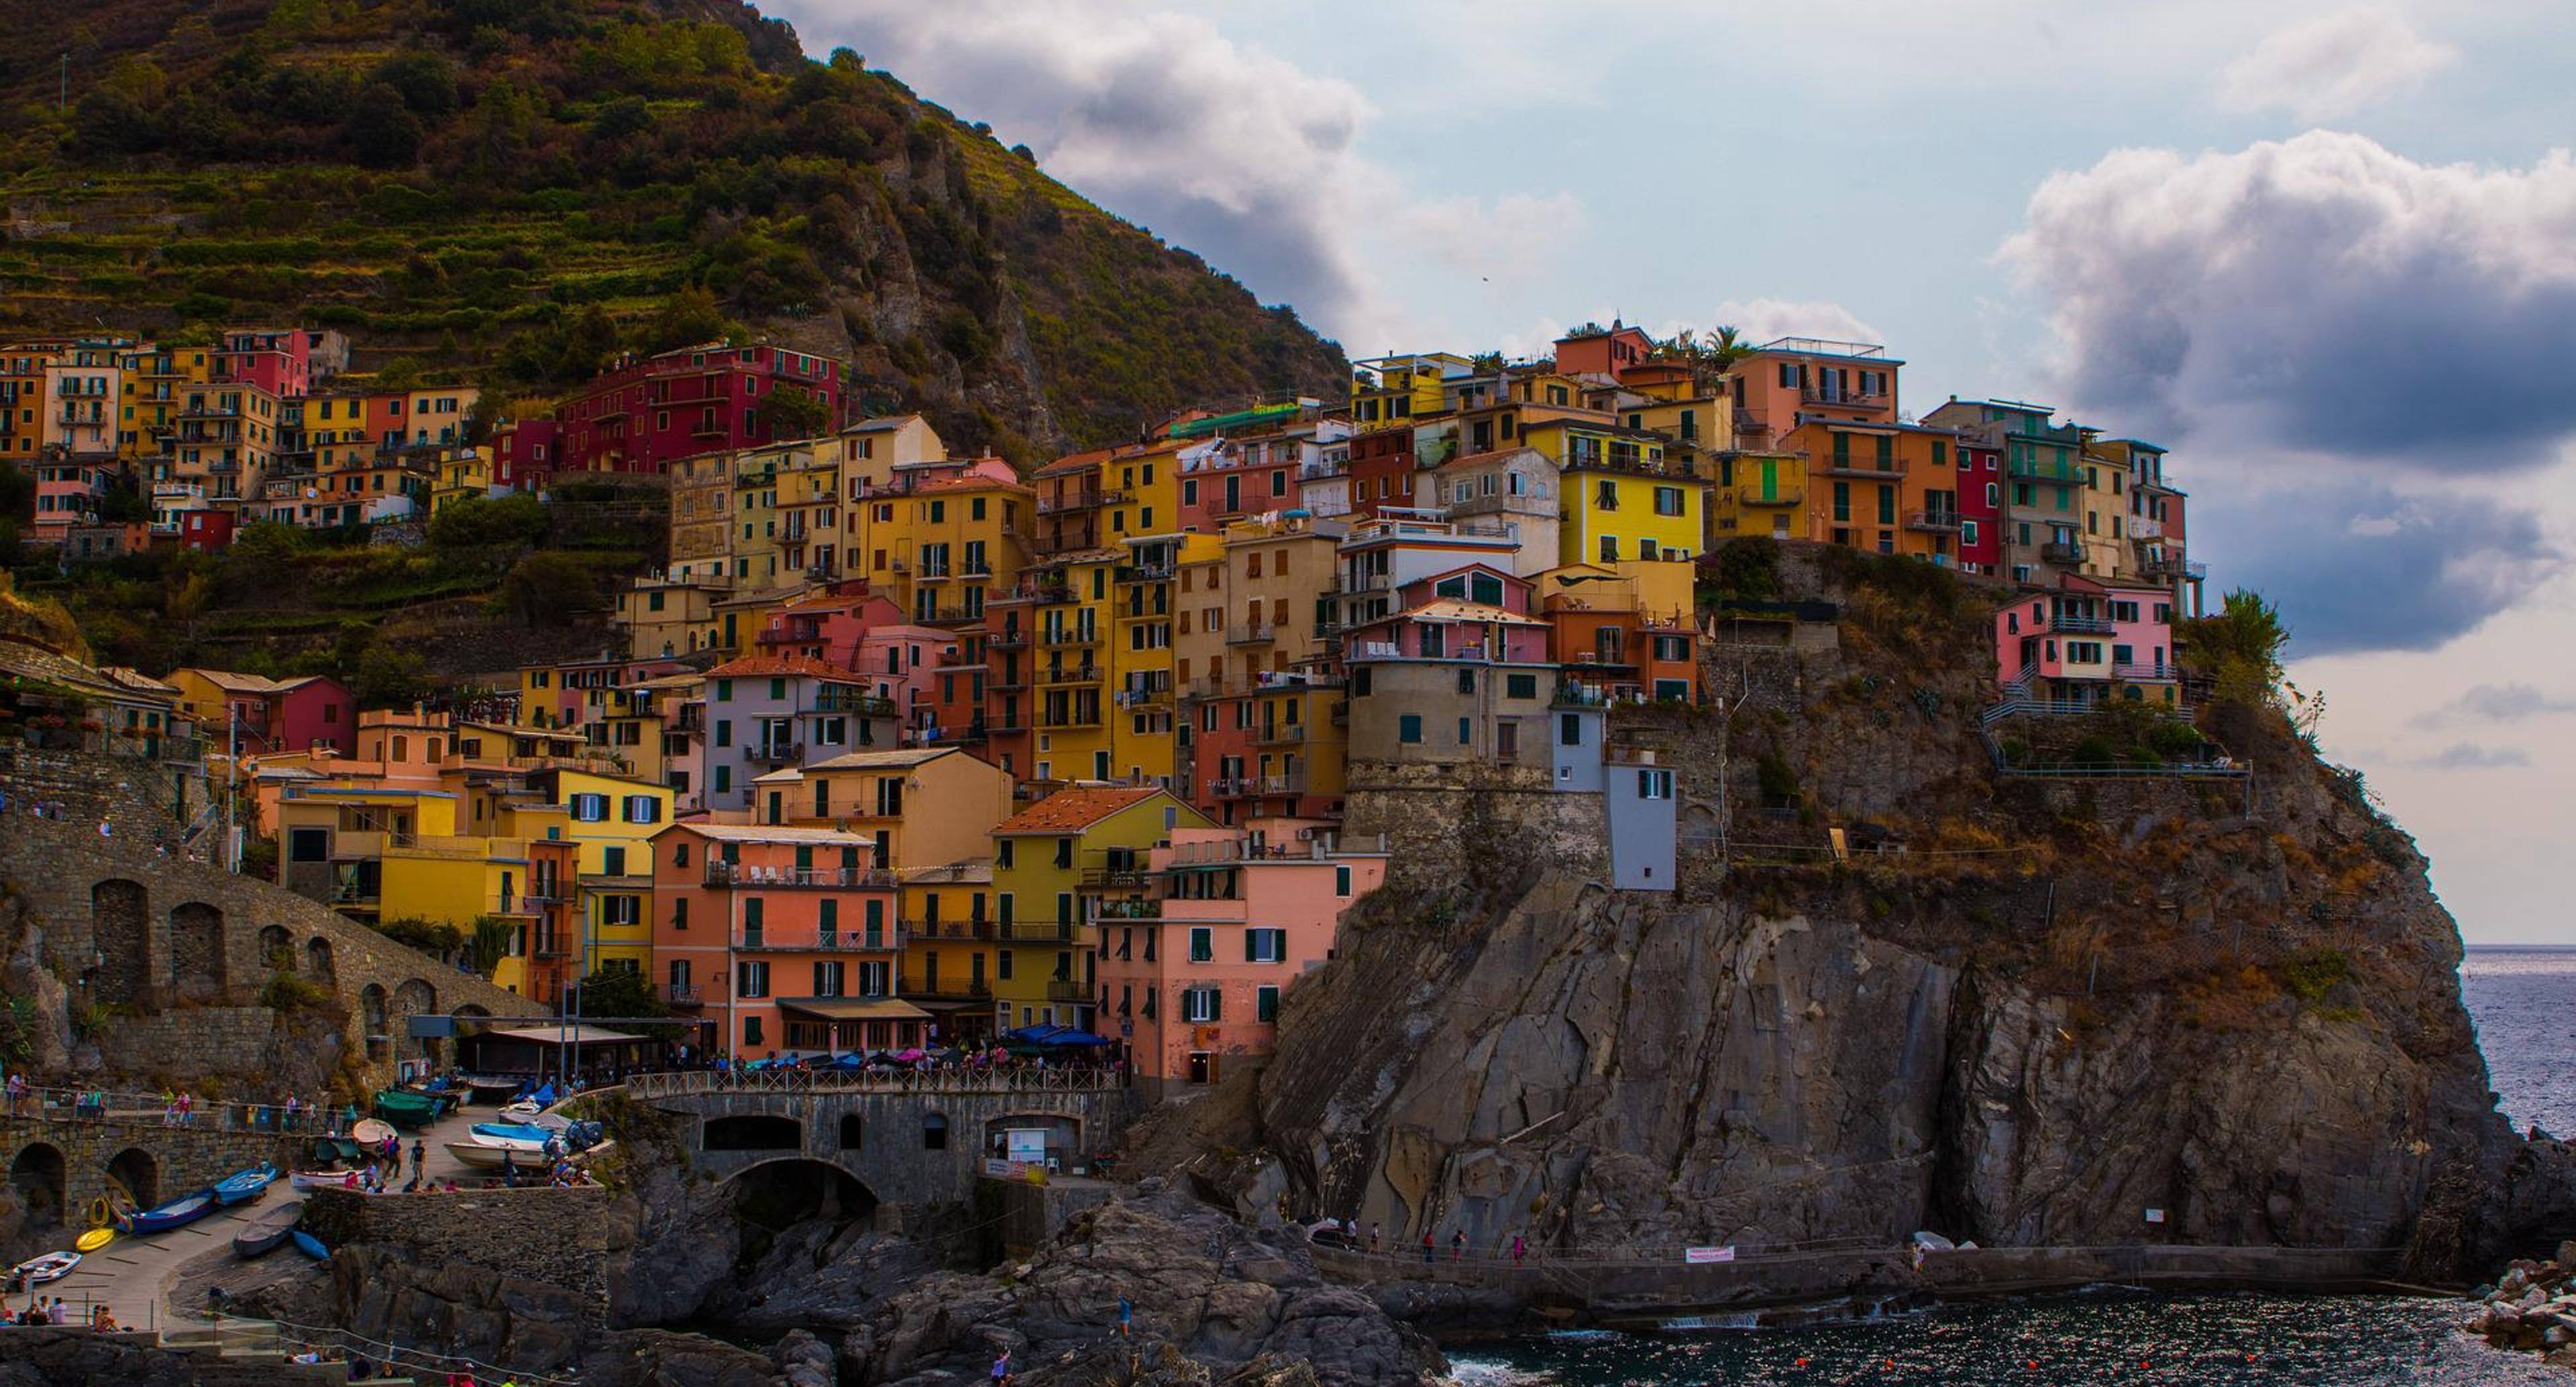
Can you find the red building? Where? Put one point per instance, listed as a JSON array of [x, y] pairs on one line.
[[1381, 470], [1981, 486], [277, 360], [523, 452], [205, 530], [708, 398]]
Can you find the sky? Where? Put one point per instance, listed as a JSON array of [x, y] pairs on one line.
[[2326, 253]]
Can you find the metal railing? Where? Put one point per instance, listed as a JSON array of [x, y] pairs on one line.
[[722, 873], [694, 1082], [97, 1107]]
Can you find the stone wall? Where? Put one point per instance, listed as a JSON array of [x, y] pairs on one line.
[[181, 1162], [558, 1237], [1443, 822], [179, 948]]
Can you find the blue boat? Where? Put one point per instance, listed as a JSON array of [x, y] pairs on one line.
[[178, 1213], [309, 1245], [244, 1186], [514, 1135]]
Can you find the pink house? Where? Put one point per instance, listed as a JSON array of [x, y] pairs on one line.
[[867, 635], [2074, 645], [1191, 978]]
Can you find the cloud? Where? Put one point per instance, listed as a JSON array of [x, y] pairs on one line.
[[2500, 703], [1761, 320], [2469, 756], [2333, 65], [2319, 295], [2355, 564], [1222, 147]]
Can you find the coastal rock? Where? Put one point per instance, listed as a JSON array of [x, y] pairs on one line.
[[1213, 1302]]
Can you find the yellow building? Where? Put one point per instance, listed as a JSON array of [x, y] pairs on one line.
[[1088, 838], [2105, 502], [923, 805], [950, 949], [668, 616], [463, 474], [944, 540], [1621, 497], [611, 818], [809, 512], [1140, 492], [1758, 493], [1393, 391]]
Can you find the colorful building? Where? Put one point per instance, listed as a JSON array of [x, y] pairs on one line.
[[314, 710], [1192, 974], [644, 414], [780, 940], [2086, 642], [917, 806], [1457, 673], [1086, 838], [763, 712]]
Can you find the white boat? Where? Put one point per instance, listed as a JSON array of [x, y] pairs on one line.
[[319, 1179], [522, 1112], [486, 1157], [36, 1271]]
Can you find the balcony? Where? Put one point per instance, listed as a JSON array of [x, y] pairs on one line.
[[2033, 469], [1282, 734], [1874, 470], [1042, 932], [858, 704], [1079, 636], [2169, 567], [721, 873], [1097, 878], [1252, 633], [2146, 674], [969, 928], [776, 754], [1084, 499], [1777, 496], [944, 990], [1008, 638], [1142, 573], [1934, 521], [688, 995], [1086, 674], [1120, 912], [2064, 555], [1067, 990], [1814, 394], [2146, 527], [2066, 624]]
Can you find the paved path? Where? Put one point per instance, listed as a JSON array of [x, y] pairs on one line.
[[133, 1276]]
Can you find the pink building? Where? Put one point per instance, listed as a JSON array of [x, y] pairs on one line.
[[1191, 977], [2072, 646], [1796, 380], [708, 398], [277, 360], [869, 636], [68, 488], [780, 940]]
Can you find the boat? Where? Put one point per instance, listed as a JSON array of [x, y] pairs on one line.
[[333, 1179], [522, 1112], [493, 1089], [309, 1245], [36, 1271], [178, 1213], [245, 1186], [269, 1231], [404, 1108], [481, 1156], [511, 1136], [94, 1239], [368, 1132]]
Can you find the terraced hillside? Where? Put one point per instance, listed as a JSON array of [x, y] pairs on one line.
[[513, 190]]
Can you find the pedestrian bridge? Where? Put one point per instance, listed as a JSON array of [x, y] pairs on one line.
[[908, 1138]]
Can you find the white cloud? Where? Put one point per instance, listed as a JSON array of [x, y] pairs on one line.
[[2469, 756], [1218, 146], [2510, 702], [1761, 320], [2333, 65], [2320, 294]]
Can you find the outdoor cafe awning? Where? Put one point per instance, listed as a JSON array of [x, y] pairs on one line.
[[853, 1008], [563, 1035]]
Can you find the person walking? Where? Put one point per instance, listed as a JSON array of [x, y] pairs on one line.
[[1126, 1316], [1458, 1246], [1426, 1247], [1520, 1250], [419, 1158], [1002, 1370]]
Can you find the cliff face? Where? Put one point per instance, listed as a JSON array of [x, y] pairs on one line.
[[2066, 1003]]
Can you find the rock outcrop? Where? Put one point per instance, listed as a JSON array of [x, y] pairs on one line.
[[1215, 1301], [2069, 1012]]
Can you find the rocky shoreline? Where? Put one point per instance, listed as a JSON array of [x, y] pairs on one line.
[[2532, 1307]]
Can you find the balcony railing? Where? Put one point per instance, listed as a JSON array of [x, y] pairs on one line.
[[2146, 674], [1008, 638], [1871, 468], [2068, 624], [1252, 633], [863, 705], [2065, 554], [945, 990], [1084, 674], [777, 753], [720, 873], [1067, 990], [1934, 520], [1133, 875], [1776, 496], [968, 928], [1281, 734]]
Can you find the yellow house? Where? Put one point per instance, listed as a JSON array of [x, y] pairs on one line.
[[1621, 498], [2106, 511], [1140, 492], [950, 949], [1758, 493], [463, 473], [665, 616], [941, 547], [1069, 669], [924, 805], [332, 840], [1393, 391], [1086, 838], [611, 818], [872, 450]]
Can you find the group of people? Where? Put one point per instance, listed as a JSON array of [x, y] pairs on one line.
[[41, 1311]]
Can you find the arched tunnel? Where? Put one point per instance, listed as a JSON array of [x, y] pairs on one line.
[[774, 1197]]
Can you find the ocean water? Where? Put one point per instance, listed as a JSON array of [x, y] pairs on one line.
[[2524, 1003]]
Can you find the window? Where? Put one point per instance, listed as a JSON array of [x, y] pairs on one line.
[[934, 1133], [1408, 729], [1668, 500], [646, 809], [1202, 944], [751, 978], [1265, 946], [1200, 1005], [1654, 784], [1341, 881], [590, 809], [1569, 729], [680, 913], [1265, 1003]]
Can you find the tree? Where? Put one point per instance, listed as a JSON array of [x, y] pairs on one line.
[[389, 676], [2239, 647], [425, 81], [383, 130], [687, 318], [795, 412], [489, 944], [487, 522], [547, 587]]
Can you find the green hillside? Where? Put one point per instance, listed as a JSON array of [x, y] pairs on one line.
[[509, 191]]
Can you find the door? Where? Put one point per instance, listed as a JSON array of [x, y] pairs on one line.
[[1202, 1067]]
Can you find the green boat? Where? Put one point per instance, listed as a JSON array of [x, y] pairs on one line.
[[406, 1109]]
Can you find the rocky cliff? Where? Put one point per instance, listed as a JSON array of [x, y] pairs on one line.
[[2026, 1010]]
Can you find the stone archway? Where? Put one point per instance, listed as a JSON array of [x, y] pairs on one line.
[[412, 997], [120, 930], [752, 1132], [139, 1171], [276, 949], [197, 965], [41, 1177], [780, 1194], [317, 961], [375, 1008]]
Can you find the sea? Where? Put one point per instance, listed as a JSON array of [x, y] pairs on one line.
[[2524, 1003]]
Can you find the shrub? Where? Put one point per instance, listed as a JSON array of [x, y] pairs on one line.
[[2313, 974]]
